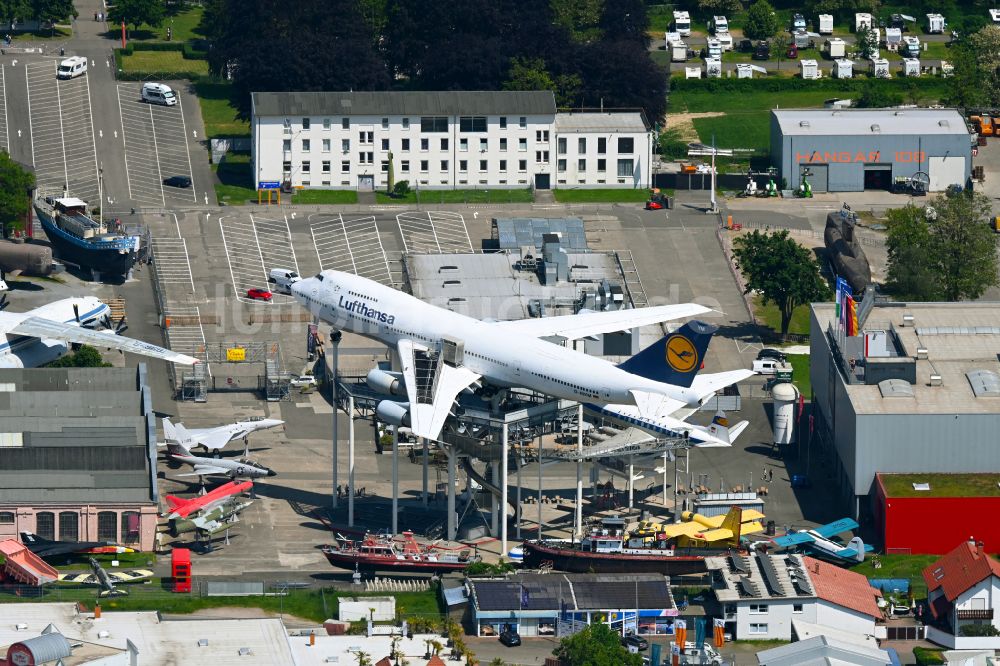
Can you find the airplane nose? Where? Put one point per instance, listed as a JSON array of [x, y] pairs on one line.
[[271, 472]]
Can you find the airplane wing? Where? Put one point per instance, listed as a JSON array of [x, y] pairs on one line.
[[749, 515], [128, 575], [205, 469], [836, 527], [586, 324], [39, 327], [682, 529], [753, 527], [428, 417], [716, 535], [210, 438], [706, 385], [794, 539]]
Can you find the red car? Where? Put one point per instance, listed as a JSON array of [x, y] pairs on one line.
[[259, 294]]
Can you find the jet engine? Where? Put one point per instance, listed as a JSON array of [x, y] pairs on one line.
[[394, 413], [388, 383]]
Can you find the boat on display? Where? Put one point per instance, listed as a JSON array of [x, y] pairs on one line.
[[375, 553], [671, 549], [80, 240]]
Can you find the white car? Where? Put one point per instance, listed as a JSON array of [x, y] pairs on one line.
[[303, 381]]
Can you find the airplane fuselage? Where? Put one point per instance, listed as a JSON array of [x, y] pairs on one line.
[[501, 356]]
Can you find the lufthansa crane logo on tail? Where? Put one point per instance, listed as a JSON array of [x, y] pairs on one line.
[[681, 354]]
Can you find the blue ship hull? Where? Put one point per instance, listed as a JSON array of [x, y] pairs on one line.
[[107, 257]]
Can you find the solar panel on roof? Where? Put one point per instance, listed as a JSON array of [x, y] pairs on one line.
[[771, 575], [747, 588], [738, 564]]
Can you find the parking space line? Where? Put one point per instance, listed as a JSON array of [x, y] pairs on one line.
[[121, 117], [62, 132], [417, 232], [145, 184], [450, 230], [187, 151], [3, 94], [90, 116], [31, 129], [156, 154], [351, 246], [326, 234], [172, 262]]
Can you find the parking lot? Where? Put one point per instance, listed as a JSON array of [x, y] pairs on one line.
[[433, 231], [155, 141], [255, 244], [62, 132], [351, 246]]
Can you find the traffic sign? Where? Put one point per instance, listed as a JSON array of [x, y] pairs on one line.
[[268, 185]]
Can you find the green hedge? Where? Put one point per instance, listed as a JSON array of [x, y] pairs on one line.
[[187, 52], [779, 85], [187, 49]]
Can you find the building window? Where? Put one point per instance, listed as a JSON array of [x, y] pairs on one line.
[[796, 608], [522, 144], [602, 146], [345, 167], [444, 144], [326, 123], [424, 166], [758, 609], [305, 124], [561, 146], [484, 145], [306, 145], [385, 123], [463, 165], [561, 165], [326, 145], [69, 526], [345, 123], [434, 124], [406, 123], [581, 145], [425, 144], [503, 145], [581, 165], [107, 526], [6, 517], [624, 168], [345, 145], [385, 166], [286, 167], [758, 627], [626, 144], [286, 145], [503, 166], [326, 166], [472, 124], [523, 122], [541, 135], [503, 122], [463, 145], [542, 156], [404, 166], [444, 165], [366, 158], [385, 144], [306, 167], [483, 166], [522, 165], [406, 144], [602, 166], [367, 137], [45, 525], [130, 527]]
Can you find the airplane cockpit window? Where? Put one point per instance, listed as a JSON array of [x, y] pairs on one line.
[[319, 276]]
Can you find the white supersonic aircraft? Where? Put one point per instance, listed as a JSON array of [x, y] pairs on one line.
[[657, 381], [40, 336]]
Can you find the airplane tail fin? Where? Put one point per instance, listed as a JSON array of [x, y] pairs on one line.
[[733, 521], [169, 430], [676, 358], [859, 548], [721, 429], [173, 501]]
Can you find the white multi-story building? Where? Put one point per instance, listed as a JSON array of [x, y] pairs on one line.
[[443, 140], [764, 595]]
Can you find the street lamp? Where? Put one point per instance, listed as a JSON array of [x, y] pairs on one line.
[[700, 149], [335, 337]]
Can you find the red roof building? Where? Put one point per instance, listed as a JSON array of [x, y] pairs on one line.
[[842, 587], [963, 588]]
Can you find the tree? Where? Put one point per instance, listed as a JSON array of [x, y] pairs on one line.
[[528, 74], [782, 271], [867, 43], [597, 645], [712, 7], [498, 661], [364, 659], [52, 11], [964, 245], [909, 276], [625, 19], [84, 357], [137, 12], [16, 184], [761, 21], [875, 95], [579, 17]]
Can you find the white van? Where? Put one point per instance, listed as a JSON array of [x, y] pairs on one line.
[[770, 366], [157, 93], [282, 279], [70, 68]]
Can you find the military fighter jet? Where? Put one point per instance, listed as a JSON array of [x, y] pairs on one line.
[[215, 439]]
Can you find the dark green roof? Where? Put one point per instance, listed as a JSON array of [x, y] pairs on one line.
[[440, 103]]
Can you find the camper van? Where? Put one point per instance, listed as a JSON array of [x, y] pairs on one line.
[[282, 279], [70, 68], [157, 93], [682, 23]]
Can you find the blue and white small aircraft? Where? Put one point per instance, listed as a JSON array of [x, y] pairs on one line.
[[819, 542]]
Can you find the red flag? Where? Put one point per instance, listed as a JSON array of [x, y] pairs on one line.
[[123, 33], [802, 404]]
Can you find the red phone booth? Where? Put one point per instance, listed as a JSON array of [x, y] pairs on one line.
[[180, 569]]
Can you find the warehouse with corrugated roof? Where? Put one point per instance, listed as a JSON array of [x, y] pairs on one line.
[[852, 150]]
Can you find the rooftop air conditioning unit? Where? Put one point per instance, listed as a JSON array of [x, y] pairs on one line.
[[936, 380], [907, 320], [922, 353]]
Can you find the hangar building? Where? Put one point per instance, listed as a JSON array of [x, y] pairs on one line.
[[852, 150], [916, 392]]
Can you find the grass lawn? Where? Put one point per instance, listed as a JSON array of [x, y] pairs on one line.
[[611, 195], [163, 61], [185, 25], [235, 186], [218, 111], [943, 485], [909, 567], [325, 197], [928, 656], [60, 32], [458, 196], [749, 129], [698, 101], [769, 316], [800, 373]]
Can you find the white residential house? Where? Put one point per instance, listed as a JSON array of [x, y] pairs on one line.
[[963, 593], [443, 140], [762, 595]]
